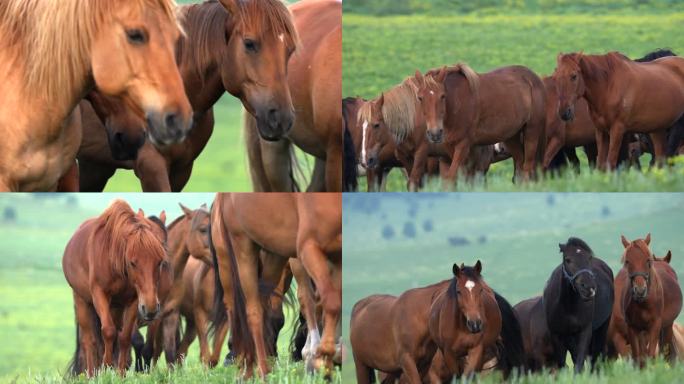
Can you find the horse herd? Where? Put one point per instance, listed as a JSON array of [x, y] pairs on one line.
[[88, 89], [228, 268], [453, 120], [461, 326]]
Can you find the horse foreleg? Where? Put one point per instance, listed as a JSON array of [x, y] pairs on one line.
[[69, 182], [188, 337], [460, 153], [581, 348], [652, 337], [617, 133], [659, 139], [130, 321], [307, 307], [333, 165], [409, 368], [317, 183], [219, 338], [329, 288], [201, 322], [152, 170], [552, 147], [84, 322], [474, 361], [515, 148], [277, 165], [667, 346], [635, 344], [93, 177], [602, 139], [169, 336], [109, 333], [418, 170]]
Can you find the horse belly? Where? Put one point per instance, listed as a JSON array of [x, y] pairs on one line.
[[372, 338], [653, 108]]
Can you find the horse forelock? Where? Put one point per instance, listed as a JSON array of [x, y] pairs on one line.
[[579, 243], [270, 16], [399, 110], [54, 38], [204, 25], [639, 245]]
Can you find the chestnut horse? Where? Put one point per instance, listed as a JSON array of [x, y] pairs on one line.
[[459, 317], [114, 265], [69, 49], [463, 109], [241, 47], [187, 236], [624, 96], [307, 227], [315, 78], [648, 300]]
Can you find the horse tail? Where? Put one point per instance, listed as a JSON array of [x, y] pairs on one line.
[[350, 181], [75, 365], [511, 353], [298, 338], [218, 316]]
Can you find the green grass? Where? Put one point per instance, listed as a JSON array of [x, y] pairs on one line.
[[37, 329], [379, 52], [520, 232]]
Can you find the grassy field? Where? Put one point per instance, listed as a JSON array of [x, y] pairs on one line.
[[222, 165], [36, 307], [379, 52], [516, 237]]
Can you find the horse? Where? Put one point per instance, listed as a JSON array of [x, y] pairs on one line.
[[315, 78], [648, 300], [350, 109], [405, 327], [187, 236], [535, 333], [505, 105], [239, 47], [308, 227], [624, 96], [577, 300], [113, 264], [69, 49]]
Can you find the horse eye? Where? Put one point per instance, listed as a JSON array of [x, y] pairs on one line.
[[567, 260], [136, 36], [376, 125], [420, 98], [573, 77], [251, 45], [132, 264], [443, 97]]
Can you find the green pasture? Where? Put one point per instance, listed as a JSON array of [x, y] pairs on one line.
[[380, 51], [37, 326], [516, 237]]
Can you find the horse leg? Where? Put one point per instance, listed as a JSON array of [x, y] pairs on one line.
[[152, 170], [460, 154], [552, 147], [84, 321], [201, 321], [515, 148], [101, 304], [169, 330], [474, 360], [371, 180], [130, 321], [602, 139], [93, 177], [179, 176], [659, 139], [219, 338], [418, 169], [333, 165], [329, 288], [188, 337], [591, 152], [69, 182], [308, 308], [409, 368], [277, 165], [571, 154], [317, 183], [364, 373], [653, 337], [617, 132], [383, 179], [635, 344], [559, 351], [582, 348]]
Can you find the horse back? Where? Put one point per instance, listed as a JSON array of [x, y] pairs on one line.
[[76, 260]]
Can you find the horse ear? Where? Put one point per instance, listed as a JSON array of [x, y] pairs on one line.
[[381, 100], [162, 217], [647, 240], [478, 267], [186, 211], [419, 76], [141, 213], [204, 206], [455, 269], [668, 257], [230, 5], [561, 247], [625, 242], [441, 75]]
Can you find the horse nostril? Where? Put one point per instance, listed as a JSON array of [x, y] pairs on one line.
[[142, 308], [170, 119]]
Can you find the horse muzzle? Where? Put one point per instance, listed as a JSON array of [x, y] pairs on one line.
[[123, 146], [474, 326], [567, 114], [273, 124], [167, 128], [435, 136], [639, 294], [147, 314]]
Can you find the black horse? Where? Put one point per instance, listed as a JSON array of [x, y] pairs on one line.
[[578, 302]]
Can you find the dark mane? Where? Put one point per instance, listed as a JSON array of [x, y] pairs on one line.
[[176, 221], [579, 243], [657, 54], [468, 272]]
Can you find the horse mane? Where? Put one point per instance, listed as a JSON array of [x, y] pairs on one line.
[[579, 243], [599, 67], [175, 221], [54, 38], [206, 23], [641, 245], [471, 76], [399, 109], [120, 230], [657, 54]]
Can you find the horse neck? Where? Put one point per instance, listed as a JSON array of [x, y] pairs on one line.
[[178, 251], [595, 83]]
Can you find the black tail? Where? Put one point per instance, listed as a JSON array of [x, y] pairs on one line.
[[511, 352], [75, 365], [350, 181], [298, 339]]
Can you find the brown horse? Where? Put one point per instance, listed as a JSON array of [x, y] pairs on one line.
[[114, 264], [535, 332], [315, 78], [647, 301], [462, 109], [460, 317], [623, 96], [241, 47], [69, 49], [188, 235], [308, 227]]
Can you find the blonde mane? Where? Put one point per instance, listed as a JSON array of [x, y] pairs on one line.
[[399, 109], [53, 38]]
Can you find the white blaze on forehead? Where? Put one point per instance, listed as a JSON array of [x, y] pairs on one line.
[[281, 37], [469, 284], [363, 141], [432, 93]]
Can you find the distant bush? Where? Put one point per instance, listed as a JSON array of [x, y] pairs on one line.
[[482, 239], [427, 225], [9, 215], [605, 211], [458, 241], [387, 232], [409, 230], [550, 200]]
